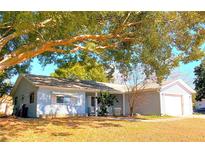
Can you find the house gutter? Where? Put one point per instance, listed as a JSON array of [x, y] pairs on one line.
[[76, 89]]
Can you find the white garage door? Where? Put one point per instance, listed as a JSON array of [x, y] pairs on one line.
[[173, 105]]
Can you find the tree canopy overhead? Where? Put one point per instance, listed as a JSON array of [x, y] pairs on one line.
[[112, 38]]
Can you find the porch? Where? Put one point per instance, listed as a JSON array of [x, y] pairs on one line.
[[92, 106]]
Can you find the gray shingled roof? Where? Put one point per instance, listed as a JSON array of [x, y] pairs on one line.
[[88, 85], [40, 80]]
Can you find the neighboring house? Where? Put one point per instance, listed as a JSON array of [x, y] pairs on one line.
[[200, 105], [6, 105], [48, 96]]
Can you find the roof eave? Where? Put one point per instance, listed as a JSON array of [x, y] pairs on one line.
[[186, 86], [77, 89], [16, 85], [21, 76], [147, 90]]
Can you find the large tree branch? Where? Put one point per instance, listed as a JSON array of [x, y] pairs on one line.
[[6, 39], [6, 32], [23, 54], [126, 24], [100, 47], [82, 38]]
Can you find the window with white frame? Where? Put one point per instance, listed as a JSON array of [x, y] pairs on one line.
[[65, 99]]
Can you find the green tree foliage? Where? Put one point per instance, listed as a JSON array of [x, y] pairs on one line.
[[200, 81], [159, 40], [84, 68], [5, 85], [105, 100], [5, 77]]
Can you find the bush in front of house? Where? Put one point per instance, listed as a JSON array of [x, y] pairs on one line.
[[105, 100]]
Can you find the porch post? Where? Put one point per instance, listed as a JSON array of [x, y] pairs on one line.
[[96, 105], [123, 104]]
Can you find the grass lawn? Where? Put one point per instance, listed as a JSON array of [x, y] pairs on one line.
[[100, 129]]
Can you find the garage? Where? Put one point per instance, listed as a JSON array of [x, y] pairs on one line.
[[176, 99], [173, 98], [173, 105]]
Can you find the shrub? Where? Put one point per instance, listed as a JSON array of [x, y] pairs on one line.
[[105, 100]]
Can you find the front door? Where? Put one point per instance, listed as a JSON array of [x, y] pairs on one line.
[[91, 105]]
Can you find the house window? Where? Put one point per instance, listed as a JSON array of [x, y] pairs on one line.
[[60, 99], [15, 100], [32, 97], [65, 99]]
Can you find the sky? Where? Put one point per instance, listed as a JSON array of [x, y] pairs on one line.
[[37, 69], [184, 71]]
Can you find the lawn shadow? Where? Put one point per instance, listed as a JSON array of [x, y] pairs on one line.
[[3, 139], [61, 134], [93, 122], [12, 127], [106, 124], [82, 122]]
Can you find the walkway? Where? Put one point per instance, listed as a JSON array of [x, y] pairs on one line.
[[141, 120], [155, 120]]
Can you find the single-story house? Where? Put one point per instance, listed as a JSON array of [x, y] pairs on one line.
[[6, 105], [49, 96]]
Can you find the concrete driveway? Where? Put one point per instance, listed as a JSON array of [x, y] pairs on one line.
[[199, 116], [141, 120], [157, 120]]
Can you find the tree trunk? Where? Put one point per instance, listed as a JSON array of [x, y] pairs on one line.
[[6, 108], [131, 111]]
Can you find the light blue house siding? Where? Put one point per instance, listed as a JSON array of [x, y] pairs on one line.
[[47, 105], [76, 97], [22, 95]]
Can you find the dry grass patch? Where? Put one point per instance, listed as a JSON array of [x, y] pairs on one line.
[[99, 129]]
